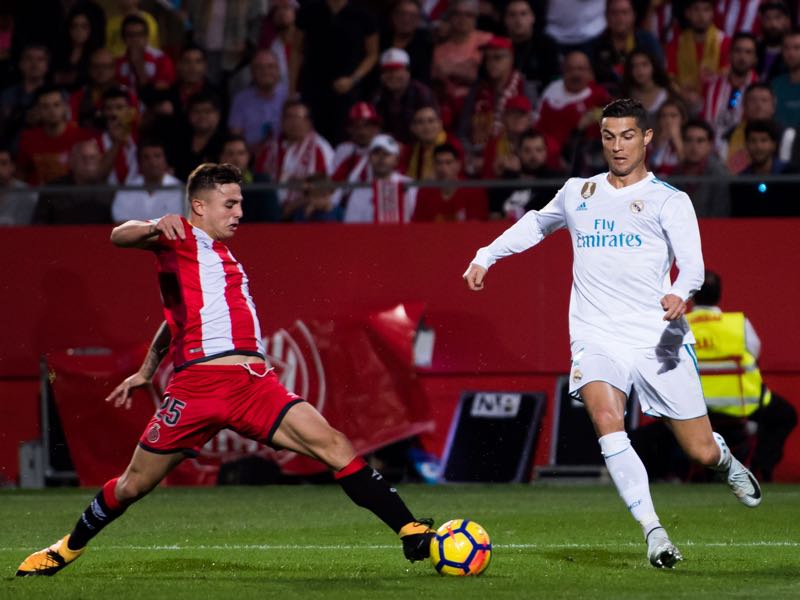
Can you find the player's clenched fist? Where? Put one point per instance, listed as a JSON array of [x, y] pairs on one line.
[[674, 307], [474, 277], [171, 226]]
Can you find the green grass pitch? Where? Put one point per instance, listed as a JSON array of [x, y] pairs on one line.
[[310, 542]]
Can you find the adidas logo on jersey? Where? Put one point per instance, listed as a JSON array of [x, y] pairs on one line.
[[582, 206]]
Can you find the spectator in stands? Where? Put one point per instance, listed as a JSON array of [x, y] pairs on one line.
[[86, 103], [501, 148], [646, 81], [484, 106], [576, 24], [390, 199], [535, 53], [529, 163], [699, 53], [44, 150], [142, 66], [787, 86], [620, 38], [298, 152], [666, 150], [572, 103], [456, 60], [258, 206], [277, 34], [71, 62], [201, 142], [723, 106], [81, 206], [318, 204], [416, 159], [256, 111], [710, 198], [16, 202], [776, 22], [117, 139], [759, 105], [227, 30], [17, 100], [337, 44], [192, 78], [405, 33], [350, 157], [154, 201], [453, 202], [764, 199], [115, 36], [399, 96]]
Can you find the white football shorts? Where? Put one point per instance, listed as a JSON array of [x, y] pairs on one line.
[[665, 378]]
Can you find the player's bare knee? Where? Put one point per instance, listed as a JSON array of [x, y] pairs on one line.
[[337, 450]]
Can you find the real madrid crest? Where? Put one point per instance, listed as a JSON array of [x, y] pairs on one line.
[[577, 375], [588, 189], [637, 206]]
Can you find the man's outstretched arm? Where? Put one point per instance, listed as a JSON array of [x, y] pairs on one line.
[[141, 234], [158, 349]]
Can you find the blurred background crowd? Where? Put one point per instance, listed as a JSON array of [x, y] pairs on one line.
[[380, 93]]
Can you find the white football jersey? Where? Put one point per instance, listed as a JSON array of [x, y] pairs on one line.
[[624, 242]]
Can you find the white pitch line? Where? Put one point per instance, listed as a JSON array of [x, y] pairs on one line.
[[177, 547]]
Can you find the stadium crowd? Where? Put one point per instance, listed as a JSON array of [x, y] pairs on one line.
[[380, 93]]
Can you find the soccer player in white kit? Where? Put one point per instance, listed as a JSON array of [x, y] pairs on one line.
[[627, 329]]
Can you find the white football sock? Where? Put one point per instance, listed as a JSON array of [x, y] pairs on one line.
[[629, 475], [725, 456]]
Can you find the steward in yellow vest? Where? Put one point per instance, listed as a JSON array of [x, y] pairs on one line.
[[732, 383], [738, 401]]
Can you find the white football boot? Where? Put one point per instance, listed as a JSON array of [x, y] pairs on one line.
[[662, 553]]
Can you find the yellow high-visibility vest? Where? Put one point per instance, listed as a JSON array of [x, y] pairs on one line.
[[731, 381]]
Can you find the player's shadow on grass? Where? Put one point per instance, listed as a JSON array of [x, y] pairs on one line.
[[595, 557]]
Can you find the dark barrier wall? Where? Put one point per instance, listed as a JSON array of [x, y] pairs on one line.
[[69, 287]]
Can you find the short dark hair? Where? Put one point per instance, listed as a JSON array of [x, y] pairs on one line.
[[150, 143], [781, 6], [46, 90], [117, 91], [192, 47], [759, 85], [293, 104], [210, 175], [233, 137], [699, 124], [711, 290], [203, 98], [133, 20], [35, 46], [531, 134], [768, 126], [743, 35], [447, 148], [627, 107]]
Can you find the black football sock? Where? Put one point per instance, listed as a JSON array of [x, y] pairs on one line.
[[101, 511], [367, 488]]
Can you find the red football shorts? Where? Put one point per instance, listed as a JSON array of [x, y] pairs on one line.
[[203, 399]]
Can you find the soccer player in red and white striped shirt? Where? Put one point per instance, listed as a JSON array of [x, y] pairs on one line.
[[221, 377]]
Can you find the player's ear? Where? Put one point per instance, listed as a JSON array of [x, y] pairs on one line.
[[648, 136], [197, 206]]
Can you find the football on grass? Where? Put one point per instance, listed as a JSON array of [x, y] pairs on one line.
[[461, 547]]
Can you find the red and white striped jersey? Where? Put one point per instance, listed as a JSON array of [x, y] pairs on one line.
[[737, 15], [207, 302], [723, 105]]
